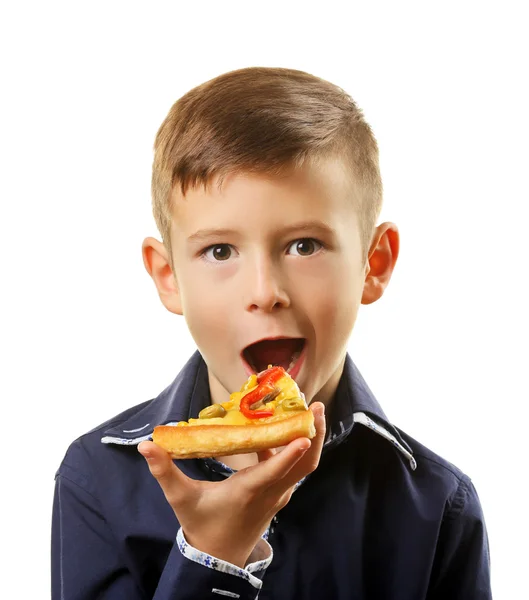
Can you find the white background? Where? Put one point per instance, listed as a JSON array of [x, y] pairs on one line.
[[83, 334]]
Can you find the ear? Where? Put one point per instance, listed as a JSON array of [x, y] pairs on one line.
[[158, 265], [383, 255]]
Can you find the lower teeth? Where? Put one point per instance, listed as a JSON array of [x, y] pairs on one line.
[[295, 357]]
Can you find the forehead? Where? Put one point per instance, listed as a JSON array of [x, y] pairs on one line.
[[262, 204]]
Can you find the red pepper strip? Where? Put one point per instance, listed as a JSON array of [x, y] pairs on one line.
[[266, 380]]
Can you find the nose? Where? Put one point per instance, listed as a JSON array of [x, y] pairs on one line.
[[265, 289]]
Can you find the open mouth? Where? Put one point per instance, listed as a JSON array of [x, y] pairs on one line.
[[282, 352]]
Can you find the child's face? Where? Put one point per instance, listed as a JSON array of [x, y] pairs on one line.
[[269, 258]]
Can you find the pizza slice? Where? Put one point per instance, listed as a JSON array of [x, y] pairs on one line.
[[268, 412]]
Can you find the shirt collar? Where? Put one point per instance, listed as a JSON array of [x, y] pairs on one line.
[[189, 394]]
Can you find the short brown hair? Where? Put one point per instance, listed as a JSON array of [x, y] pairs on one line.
[[263, 120]]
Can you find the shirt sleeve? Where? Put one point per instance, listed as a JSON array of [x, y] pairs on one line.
[[462, 563], [86, 562], [258, 561]]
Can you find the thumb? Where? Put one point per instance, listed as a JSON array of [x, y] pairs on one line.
[[172, 481]]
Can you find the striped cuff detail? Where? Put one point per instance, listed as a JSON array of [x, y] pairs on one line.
[[259, 558]]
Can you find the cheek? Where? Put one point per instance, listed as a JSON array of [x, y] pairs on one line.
[[335, 307], [205, 310]]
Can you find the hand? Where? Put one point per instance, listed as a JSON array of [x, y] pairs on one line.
[[227, 518]]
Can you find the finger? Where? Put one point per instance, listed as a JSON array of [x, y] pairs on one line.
[[310, 460], [301, 457], [265, 454], [285, 498], [318, 410], [267, 473], [175, 485]]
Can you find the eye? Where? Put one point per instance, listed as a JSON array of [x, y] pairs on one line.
[[305, 247], [217, 253]]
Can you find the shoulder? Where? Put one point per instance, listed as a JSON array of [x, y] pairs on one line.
[[437, 472], [86, 453], [121, 418], [429, 459], [95, 434], [461, 566]]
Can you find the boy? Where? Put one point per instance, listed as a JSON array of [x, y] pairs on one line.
[[266, 190]]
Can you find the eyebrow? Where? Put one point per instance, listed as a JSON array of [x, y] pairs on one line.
[[318, 226]]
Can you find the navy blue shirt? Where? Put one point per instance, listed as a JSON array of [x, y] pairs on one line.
[[382, 517]]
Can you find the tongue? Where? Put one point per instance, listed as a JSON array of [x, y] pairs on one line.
[[273, 352]]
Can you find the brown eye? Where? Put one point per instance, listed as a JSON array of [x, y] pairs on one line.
[[305, 247], [218, 252]]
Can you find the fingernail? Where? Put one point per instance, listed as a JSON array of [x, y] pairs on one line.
[[319, 409], [144, 452]]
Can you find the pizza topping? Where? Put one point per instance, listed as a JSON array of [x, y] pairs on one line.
[[265, 397], [294, 404], [265, 391], [210, 412]]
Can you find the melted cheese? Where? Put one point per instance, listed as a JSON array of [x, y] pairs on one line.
[[233, 416]]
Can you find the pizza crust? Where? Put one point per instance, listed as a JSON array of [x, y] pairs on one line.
[[204, 441]]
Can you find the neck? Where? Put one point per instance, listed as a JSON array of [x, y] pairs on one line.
[[327, 393]]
